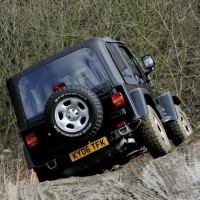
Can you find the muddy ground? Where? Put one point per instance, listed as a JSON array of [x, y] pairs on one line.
[[175, 176]]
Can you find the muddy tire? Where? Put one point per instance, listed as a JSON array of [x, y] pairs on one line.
[[74, 112], [180, 129], [153, 134]]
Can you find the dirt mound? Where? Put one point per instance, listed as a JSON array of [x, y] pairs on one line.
[[175, 176]]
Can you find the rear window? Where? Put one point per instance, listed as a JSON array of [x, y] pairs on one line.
[[81, 67]]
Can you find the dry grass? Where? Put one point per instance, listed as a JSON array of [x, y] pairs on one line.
[[14, 169]]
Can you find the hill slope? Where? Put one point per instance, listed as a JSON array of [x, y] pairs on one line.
[[175, 176]]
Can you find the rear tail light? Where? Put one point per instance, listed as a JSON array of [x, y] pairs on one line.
[[56, 87], [121, 124], [117, 99], [31, 140]]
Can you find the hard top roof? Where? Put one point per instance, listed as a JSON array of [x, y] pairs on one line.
[[94, 42]]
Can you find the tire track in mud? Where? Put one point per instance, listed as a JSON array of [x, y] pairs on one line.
[[175, 176]]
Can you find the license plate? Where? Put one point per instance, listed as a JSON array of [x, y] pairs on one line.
[[88, 149]]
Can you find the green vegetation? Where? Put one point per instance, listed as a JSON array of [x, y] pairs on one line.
[[168, 30]]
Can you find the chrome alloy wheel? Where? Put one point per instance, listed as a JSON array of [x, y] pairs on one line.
[[71, 115], [184, 123], [160, 129]]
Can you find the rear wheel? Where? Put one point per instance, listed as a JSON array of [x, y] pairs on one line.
[[180, 129], [153, 134]]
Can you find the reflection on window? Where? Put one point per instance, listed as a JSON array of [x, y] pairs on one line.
[[130, 62], [78, 68], [126, 72]]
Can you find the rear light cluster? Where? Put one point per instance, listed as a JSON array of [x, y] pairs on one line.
[[117, 99], [56, 87], [31, 140]]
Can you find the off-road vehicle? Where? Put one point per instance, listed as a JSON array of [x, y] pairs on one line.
[[90, 104]]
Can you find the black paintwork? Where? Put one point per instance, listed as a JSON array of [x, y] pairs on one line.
[[133, 83]]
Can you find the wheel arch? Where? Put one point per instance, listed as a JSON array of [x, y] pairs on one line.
[[150, 102], [141, 99], [164, 105], [167, 102]]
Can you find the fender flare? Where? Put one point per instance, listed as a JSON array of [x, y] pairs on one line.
[[164, 104], [138, 97], [167, 102]]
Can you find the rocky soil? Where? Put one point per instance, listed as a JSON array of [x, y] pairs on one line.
[[175, 176]]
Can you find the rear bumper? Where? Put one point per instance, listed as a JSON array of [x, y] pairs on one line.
[[69, 168], [117, 145], [109, 151]]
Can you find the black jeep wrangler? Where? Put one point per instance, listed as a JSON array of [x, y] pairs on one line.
[[90, 104]]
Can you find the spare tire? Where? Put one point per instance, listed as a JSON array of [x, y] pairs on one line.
[[74, 112]]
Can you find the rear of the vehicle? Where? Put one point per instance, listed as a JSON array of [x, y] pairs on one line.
[[72, 112]]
